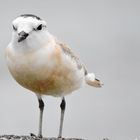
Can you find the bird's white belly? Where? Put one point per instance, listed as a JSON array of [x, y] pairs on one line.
[[54, 75]]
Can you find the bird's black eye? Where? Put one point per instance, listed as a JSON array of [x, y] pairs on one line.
[[39, 27], [15, 29]]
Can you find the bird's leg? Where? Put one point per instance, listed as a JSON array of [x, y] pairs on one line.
[[41, 107], [62, 106]]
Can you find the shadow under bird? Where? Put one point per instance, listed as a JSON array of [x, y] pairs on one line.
[[43, 64]]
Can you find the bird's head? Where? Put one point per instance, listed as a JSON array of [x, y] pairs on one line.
[[27, 25]]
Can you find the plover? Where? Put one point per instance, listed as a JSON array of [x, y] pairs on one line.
[[38, 61]]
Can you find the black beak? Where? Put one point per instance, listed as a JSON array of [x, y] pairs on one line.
[[22, 36]]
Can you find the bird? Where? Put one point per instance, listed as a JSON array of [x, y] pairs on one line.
[[43, 64]]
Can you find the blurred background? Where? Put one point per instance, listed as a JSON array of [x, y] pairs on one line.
[[105, 34]]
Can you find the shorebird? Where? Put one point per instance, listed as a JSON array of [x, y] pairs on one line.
[[38, 61]]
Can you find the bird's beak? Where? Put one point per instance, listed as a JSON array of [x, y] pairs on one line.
[[22, 36]]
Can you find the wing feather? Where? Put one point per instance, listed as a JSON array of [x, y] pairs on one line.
[[71, 54]]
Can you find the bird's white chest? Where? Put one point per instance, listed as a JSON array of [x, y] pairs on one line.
[[46, 71]]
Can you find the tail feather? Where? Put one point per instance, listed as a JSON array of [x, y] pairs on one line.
[[92, 81]]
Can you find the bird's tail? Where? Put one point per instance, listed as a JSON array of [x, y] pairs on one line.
[[92, 81]]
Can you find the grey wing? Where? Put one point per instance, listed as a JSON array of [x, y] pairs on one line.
[[70, 53]]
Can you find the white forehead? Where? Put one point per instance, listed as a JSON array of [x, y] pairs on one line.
[[28, 21]]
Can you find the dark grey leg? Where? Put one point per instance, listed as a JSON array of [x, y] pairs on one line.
[[41, 107], [62, 106]]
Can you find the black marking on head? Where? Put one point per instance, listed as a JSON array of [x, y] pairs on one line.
[[30, 15]]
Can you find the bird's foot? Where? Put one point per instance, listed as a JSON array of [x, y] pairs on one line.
[[60, 138], [40, 136]]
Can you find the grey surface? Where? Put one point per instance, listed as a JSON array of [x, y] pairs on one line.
[[105, 34], [16, 137]]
